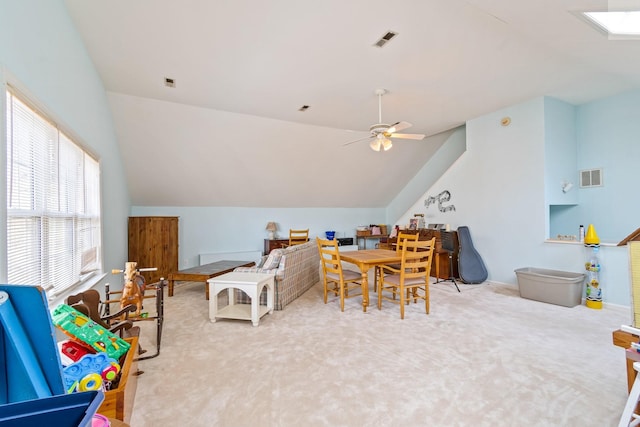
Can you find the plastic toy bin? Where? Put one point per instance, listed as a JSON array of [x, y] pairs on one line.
[[76, 409], [32, 391], [551, 286]]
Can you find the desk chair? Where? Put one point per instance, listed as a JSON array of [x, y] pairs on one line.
[[629, 417]]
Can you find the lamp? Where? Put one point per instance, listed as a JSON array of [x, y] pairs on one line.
[[271, 228], [375, 144], [566, 186], [380, 141]]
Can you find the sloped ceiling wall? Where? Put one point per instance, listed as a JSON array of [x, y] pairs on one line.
[[192, 156]]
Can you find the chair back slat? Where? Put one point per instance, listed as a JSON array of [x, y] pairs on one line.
[[402, 237], [417, 257], [298, 237]]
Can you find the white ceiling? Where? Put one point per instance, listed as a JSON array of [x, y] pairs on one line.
[[231, 128]]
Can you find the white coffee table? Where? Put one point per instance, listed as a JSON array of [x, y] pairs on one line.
[[250, 283]]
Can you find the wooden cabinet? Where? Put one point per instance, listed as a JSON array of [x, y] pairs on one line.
[[153, 242], [271, 244]]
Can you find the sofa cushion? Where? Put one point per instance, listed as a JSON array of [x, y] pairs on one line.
[[273, 260], [260, 262], [278, 273]]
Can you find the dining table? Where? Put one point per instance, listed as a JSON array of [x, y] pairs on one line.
[[366, 260]]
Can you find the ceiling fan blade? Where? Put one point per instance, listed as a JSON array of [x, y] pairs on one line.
[[416, 136], [357, 140], [398, 126]]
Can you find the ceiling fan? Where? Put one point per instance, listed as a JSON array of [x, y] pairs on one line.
[[381, 132]]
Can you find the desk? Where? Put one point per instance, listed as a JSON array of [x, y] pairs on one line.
[[370, 236], [367, 259], [624, 339], [202, 273]]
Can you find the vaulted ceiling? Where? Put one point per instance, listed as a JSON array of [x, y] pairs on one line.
[[230, 132]]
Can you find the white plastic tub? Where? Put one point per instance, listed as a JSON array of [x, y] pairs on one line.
[[552, 286]]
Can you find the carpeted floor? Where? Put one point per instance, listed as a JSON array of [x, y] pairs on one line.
[[483, 357]]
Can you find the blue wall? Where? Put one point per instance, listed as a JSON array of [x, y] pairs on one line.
[[44, 57], [229, 229], [608, 132]]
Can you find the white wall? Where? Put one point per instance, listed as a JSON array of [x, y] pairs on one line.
[[42, 54], [438, 164], [498, 189], [213, 229]]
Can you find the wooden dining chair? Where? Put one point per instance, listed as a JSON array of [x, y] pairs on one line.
[[411, 280], [335, 278], [298, 237], [402, 237]]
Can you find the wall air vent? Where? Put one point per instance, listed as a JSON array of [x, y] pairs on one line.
[[591, 178], [385, 39], [169, 82]]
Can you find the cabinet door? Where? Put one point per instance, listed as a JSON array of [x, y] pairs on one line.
[[271, 244], [153, 242]]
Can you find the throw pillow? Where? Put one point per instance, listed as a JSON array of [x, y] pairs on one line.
[[273, 260], [261, 261]]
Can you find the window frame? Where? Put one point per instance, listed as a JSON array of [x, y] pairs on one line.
[[79, 281]]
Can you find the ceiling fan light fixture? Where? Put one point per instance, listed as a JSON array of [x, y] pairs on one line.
[[386, 144], [375, 144]]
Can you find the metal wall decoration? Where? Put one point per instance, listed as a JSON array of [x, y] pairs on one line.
[[445, 196]]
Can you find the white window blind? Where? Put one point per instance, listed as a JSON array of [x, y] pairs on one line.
[[53, 203]]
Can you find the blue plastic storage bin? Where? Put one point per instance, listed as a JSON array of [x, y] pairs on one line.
[[31, 388], [75, 409]]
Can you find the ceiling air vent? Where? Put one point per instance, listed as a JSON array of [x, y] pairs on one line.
[[303, 108], [385, 39], [590, 178], [169, 82]]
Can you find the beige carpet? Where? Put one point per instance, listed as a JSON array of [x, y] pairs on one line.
[[483, 357]]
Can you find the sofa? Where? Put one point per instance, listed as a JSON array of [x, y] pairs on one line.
[[295, 268]]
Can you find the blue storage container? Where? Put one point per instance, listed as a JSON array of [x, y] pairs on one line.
[[75, 409], [31, 388]]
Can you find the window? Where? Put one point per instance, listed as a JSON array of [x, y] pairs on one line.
[[53, 203], [618, 23]]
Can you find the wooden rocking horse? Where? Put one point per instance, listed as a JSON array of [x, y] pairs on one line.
[[131, 293]]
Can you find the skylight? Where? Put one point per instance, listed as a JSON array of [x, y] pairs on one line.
[[621, 24]]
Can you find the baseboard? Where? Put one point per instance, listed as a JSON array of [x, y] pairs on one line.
[[231, 256]]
